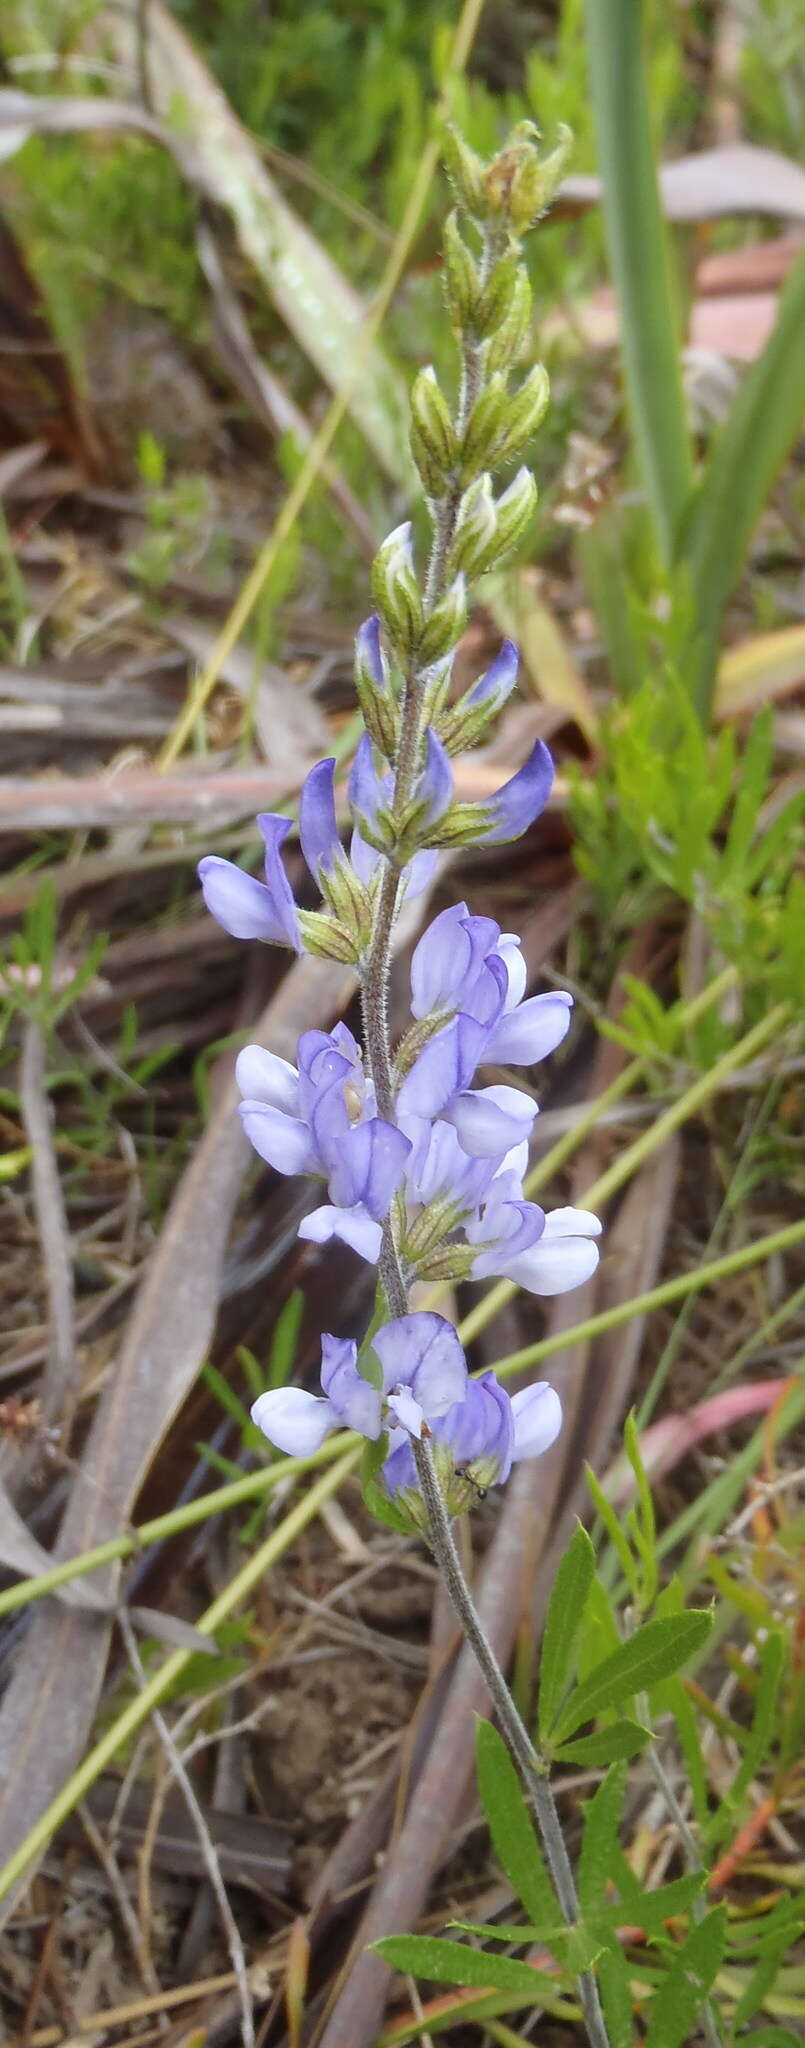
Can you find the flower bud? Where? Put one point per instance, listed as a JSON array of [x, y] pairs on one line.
[[433, 440], [328, 939], [349, 902], [467, 722], [505, 345], [373, 688], [526, 408], [514, 509], [461, 281], [396, 591], [495, 298], [435, 692], [485, 429], [466, 172], [476, 530], [535, 182], [445, 624]]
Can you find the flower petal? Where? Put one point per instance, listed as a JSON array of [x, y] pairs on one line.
[[367, 1165], [497, 684], [537, 1414], [531, 1031], [489, 1121], [318, 830], [408, 1411], [443, 1067], [435, 785], [367, 792], [239, 902], [282, 1140], [354, 1227], [515, 807], [356, 1403], [369, 651], [572, 1223], [274, 831], [263, 1077], [440, 961], [554, 1265], [293, 1420], [422, 1351]]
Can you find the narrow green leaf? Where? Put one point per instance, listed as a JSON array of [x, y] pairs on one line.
[[616, 1997], [609, 1746], [675, 2006], [450, 1962], [565, 1615], [772, 2037], [764, 1719], [614, 1530], [645, 1528], [638, 253], [510, 1827], [226, 1397], [678, 1703], [761, 429], [602, 1818], [575, 1948], [760, 1982], [659, 1647]]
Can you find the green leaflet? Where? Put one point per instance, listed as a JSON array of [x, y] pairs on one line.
[[658, 1648], [565, 1614]]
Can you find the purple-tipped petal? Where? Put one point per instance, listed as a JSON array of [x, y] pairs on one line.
[[356, 1403], [565, 1256], [440, 961], [537, 1412], [354, 1227], [274, 831], [509, 813], [531, 1031], [419, 873], [408, 1412], [499, 681], [244, 906], [282, 1140], [293, 1420], [365, 789], [370, 653], [480, 1429], [318, 830], [489, 1121], [422, 1351], [443, 1068], [435, 786], [263, 1077]]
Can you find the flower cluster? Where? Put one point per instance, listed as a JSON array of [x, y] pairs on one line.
[[421, 1162], [412, 1381]]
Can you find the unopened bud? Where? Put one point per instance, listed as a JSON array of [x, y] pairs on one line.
[[514, 508], [445, 625], [373, 688], [461, 281], [526, 408], [485, 429], [396, 591], [349, 901], [466, 172], [496, 295], [505, 345], [474, 543], [433, 440], [536, 182]]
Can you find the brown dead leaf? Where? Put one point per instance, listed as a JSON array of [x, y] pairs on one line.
[[710, 183], [759, 671]]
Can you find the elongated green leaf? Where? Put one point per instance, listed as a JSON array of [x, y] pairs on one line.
[[760, 432], [638, 253], [565, 1615], [599, 1841], [679, 1999], [616, 1998], [616, 1534], [575, 1948], [761, 1734], [609, 1746], [659, 1647], [510, 1825], [449, 1962]]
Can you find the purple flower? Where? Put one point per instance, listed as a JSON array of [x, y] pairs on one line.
[[505, 1227], [247, 908], [371, 793], [514, 807], [497, 684], [476, 1443], [423, 1375], [321, 1119], [468, 964], [562, 1257], [318, 830]]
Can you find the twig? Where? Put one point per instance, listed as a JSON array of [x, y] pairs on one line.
[[177, 1771]]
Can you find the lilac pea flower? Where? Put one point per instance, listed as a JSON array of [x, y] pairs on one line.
[[531, 1030], [318, 828], [443, 1068], [564, 1256], [537, 1413], [416, 876], [424, 1369], [435, 785], [476, 1443], [369, 796], [497, 684], [456, 966], [505, 1227], [490, 1121], [438, 1169], [369, 652], [516, 806], [366, 1165], [249, 909], [298, 1422]]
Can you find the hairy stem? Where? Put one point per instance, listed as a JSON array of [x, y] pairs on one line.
[[532, 1771]]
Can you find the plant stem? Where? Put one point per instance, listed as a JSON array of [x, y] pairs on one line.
[[533, 1772]]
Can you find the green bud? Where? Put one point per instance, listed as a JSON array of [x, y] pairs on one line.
[[505, 346], [328, 939], [434, 694], [485, 429], [535, 183], [349, 901], [433, 440], [526, 408], [514, 509], [396, 592], [496, 296], [379, 714], [417, 1036], [430, 1228], [445, 624], [449, 1262], [466, 171], [461, 281], [476, 530], [464, 726]]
